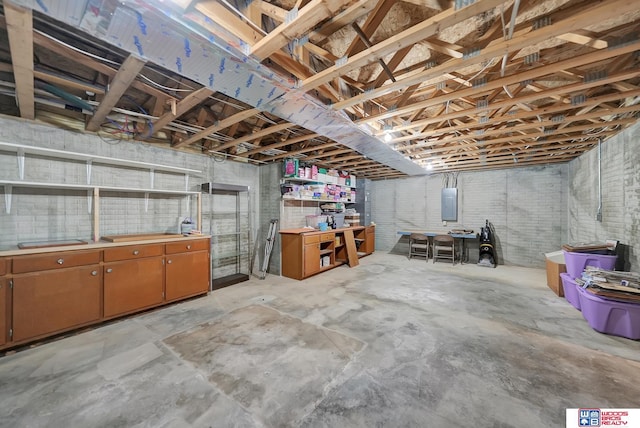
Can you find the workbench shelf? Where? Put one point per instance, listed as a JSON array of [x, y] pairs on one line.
[[303, 251]]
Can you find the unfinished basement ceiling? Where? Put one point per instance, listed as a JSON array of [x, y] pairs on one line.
[[379, 88]]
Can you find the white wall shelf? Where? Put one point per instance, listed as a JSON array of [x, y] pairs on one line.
[[93, 191], [43, 151], [309, 181], [316, 200]]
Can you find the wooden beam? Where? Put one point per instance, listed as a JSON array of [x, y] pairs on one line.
[[344, 18], [509, 80], [255, 135], [522, 126], [68, 82], [253, 11], [589, 16], [429, 146], [228, 20], [218, 13], [120, 83], [412, 35], [454, 51], [540, 111], [271, 10], [584, 40], [20, 30], [308, 17], [393, 64], [288, 142], [303, 150], [367, 43], [370, 25], [222, 124], [68, 53], [324, 154], [189, 102]]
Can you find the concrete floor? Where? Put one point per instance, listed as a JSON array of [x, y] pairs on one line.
[[391, 343]]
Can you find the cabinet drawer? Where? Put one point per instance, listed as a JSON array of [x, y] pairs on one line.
[[326, 237], [311, 239], [3, 267], [37, 262], [188, 246], [132, 252]]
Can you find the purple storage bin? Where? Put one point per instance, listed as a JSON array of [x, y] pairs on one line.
[[576, 262], [570, 290], [610, 316]]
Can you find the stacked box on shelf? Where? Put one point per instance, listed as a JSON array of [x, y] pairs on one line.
[[352, 219]]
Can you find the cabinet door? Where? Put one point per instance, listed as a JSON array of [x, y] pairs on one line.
[[187, 274], [311, 259], [52, 301], [370, 240], [132, 285], [3, 310]]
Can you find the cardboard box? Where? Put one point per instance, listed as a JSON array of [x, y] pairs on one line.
[[555, 266]]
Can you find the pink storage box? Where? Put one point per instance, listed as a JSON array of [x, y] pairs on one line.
[[570, 290], [576, 262], [610, 316]]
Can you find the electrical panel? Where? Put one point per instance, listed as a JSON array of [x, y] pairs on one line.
[[449, 206]]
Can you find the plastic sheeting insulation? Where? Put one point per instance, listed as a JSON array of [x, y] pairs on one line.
[[189, 44]]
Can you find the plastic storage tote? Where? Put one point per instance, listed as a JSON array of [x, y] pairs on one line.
[[570, 290], [610, 316], [576, 262]]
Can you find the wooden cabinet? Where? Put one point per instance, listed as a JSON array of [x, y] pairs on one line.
[[58, 260], [365, 238], [131, 252], [48, 302], [307, 253], [132, 285], [187, 269], [187, 274], [59, 290], [4, 302], [311, 255], [369, 245], [4, 309]]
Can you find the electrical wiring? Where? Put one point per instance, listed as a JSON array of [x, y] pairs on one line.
[[166, 88], [489, 63], [108, 61]]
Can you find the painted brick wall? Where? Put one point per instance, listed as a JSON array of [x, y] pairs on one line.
[[47, 214], [527, 207], [620, 196]]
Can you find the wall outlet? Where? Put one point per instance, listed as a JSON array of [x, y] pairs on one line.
[[444, 222]]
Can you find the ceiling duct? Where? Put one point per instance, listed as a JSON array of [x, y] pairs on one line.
[[174, 38]]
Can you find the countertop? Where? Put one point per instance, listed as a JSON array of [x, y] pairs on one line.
[[306, 230], [15, 251]]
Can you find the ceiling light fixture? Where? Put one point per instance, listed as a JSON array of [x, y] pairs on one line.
[[429, 166], [388, 137]]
